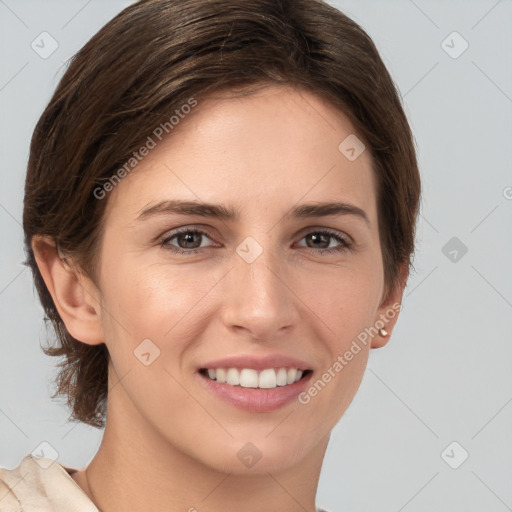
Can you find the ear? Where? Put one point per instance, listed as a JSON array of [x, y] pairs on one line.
[[75, 296], [389, 310]]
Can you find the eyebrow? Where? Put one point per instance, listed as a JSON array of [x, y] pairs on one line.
[[219, 211]]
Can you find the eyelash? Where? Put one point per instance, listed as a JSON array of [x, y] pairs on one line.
[[345, 243]]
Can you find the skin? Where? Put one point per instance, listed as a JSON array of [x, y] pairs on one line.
[[168, 443]]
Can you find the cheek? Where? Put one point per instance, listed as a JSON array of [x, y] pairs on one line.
[[345, 297], [346, 305], [141, 292], [158, 302]]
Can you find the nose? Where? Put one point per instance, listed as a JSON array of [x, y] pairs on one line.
[[259, 300]]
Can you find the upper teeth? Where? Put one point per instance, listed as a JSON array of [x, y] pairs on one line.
[[249, 378]]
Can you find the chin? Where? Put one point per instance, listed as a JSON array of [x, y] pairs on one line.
[[258, 455]]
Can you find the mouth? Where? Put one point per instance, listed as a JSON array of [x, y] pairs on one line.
[[268, 378], [257, 383], [255, 391]]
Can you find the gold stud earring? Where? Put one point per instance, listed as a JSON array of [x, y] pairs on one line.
[[383, 332]]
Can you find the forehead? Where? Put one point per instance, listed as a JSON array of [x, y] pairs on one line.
[[277, 146]]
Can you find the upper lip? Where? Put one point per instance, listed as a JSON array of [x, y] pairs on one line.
[[257, 362]]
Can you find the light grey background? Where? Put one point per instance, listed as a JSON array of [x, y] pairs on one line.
[[446, 374]]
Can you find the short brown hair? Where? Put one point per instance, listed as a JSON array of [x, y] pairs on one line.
[[153, 57]]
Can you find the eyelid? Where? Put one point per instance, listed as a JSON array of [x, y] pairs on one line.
[[184, 229], [207, 232], [180, 229], [345, 241], [332, 231]]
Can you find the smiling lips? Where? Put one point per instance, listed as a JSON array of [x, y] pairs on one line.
[[250, 371], [256, 383], [250, 378], [261, 392]]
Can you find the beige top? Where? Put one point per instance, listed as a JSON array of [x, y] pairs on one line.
[[43, 485]]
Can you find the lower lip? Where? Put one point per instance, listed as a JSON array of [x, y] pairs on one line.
[[256, 399]]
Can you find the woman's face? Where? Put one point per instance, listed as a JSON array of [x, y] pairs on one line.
[[260, 285]]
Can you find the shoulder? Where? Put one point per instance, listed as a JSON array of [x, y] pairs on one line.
[[42, 485]]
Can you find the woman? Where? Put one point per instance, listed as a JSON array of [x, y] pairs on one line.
[[219, 214]]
